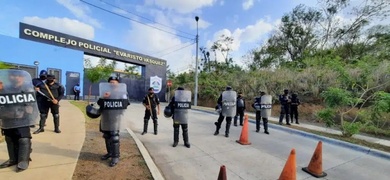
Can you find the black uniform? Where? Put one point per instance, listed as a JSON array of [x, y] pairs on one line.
[[258, 115], [50, 88], [295, 102], [221, 117], [150, 100], [18, 139], [176, 126], [36, 83], [285, 100], [240, 110]]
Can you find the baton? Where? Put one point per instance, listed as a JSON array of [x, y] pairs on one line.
[[40, 92]]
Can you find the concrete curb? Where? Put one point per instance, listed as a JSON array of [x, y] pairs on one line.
[[148, 159], [367, 150]]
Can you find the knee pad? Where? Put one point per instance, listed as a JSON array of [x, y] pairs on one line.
[[115, 139], [56, 115], [43, 116]]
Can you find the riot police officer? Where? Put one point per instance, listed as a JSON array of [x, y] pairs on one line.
[[53, 92], [36, 82], [256, 106], [240, 109], [180, 104], [227, 100], [263, 106], [295, 102], [151, 102], [18, 111], [285, 101], [113, 102]]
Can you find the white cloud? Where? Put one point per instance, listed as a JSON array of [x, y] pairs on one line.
[[79, 11], [182, 6], [250, 34], [64, 25], [161, 45], [247, 4]]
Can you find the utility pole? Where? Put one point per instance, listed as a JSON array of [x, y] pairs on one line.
[[196, 64]]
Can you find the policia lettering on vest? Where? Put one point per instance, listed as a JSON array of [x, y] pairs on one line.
[[113, 102], [18, 111]]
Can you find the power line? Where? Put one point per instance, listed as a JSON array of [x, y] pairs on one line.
[[136, 20], [169, 48], [112, 5], [176, 50]]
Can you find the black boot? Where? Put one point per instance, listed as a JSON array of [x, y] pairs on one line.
[[12, 152], [24, 154], [108, 148], [175, 135], [155, 124], [235, 120], [228, 122], [115, 150], [42, 123], [265, 124], [241, 120], [56, 119], [257, 125], [288, 119], [217, 128], [185, 135], [146, 121]]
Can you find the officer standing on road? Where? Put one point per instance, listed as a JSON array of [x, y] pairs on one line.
[[256, 106], [180, 104], [18, 111], [285, 101], [240, 109], [150, 102], [227, 100], [113, 102], [295, 102], [53, 92], [263, 106]]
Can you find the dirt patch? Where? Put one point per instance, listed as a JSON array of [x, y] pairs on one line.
[[89, 166]]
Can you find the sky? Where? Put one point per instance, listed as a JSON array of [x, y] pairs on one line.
[[163, 29]]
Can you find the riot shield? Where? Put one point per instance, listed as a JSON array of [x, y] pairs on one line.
[[18, 106], [229, 103], [266, 106], [182, 106], [113, 102]]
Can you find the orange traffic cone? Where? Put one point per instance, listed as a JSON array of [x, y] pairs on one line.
[[315, 165], [244, 140], [289, 171], [222, 173]]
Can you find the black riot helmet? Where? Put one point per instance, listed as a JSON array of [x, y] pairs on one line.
[[228, 88], [93, 110], [113, 78], [180, 88], [168, 112]]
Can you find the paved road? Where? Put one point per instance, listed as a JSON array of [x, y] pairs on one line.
[[264, 159]]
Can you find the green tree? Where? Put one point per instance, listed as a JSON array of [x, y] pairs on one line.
[[4, 65], [96, 73]]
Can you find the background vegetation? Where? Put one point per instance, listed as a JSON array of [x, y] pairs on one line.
[[341, 66]]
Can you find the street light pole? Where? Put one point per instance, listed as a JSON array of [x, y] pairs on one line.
[[36, 63], [196, 64]]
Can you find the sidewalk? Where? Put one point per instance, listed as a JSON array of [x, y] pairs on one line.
[[54, 156]]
